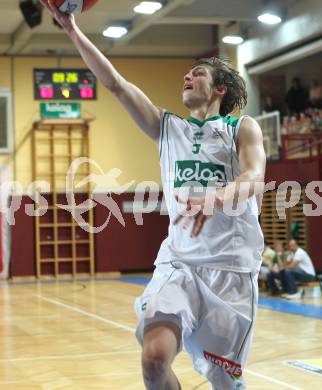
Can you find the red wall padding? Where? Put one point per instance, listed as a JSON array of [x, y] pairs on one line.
[[302, 172], [117, 248], [23, 243], [131, 247]]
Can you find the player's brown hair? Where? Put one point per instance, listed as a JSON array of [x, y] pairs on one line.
[[224, 75]]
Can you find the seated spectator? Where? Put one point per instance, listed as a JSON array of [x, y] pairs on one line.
[[298, 268], [315, 98], [268, 256], [274, 277]]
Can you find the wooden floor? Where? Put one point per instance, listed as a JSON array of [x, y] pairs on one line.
[[81, 336]]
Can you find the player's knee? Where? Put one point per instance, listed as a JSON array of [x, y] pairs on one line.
[[155, 364]]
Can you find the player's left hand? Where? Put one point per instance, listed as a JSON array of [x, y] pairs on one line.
[[67, 21], [197, 210]]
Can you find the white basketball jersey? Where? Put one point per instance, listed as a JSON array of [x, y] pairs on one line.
[[204, 153]]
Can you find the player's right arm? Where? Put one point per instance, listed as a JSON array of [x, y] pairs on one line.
[[136, 103]]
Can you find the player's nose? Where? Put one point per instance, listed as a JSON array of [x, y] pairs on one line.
[[187, 77]]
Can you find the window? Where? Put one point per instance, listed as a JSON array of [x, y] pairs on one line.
[[5, 121]]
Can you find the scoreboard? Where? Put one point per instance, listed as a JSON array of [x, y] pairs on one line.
[[64, 84]]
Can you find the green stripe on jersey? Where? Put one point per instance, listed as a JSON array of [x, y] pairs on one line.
[[162, 131], [231, 120]]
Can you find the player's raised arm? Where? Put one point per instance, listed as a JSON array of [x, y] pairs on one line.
[[139, 106]]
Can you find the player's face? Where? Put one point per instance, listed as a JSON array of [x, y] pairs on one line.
[[198, 87]]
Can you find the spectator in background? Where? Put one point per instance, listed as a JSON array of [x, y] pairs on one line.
[[269, 106], [268, 256], [315, 97], [296, 98], [274, 275], [298, 268]]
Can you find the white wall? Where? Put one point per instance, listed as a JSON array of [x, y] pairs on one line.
[[253, 102], [230, 52], [304, 24], [307, 69]]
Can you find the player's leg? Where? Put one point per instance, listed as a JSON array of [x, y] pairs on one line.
[[220, 344], [161, 343], [288, 281], [271, 282]]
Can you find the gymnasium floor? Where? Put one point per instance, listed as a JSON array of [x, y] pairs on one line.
[[80, 335]]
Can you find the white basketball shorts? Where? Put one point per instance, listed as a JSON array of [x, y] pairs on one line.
[[215, 311]]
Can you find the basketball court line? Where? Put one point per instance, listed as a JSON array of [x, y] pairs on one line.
[[9, 318], [88, 314], [75, 356], [132, 330], [276, 381], [130, 279], [286, 363], [75, 377]]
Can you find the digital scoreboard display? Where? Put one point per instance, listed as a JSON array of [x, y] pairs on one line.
[[64, 84]]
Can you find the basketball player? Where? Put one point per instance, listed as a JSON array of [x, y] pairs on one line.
[[203, 293]]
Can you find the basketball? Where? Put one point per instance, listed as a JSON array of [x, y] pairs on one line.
[[73, 6]]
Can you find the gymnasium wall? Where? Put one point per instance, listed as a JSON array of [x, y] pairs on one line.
[[5, 81], [306, 69], [302, 24], [116, 142]]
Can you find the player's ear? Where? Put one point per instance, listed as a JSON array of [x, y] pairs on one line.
[[221, 89]]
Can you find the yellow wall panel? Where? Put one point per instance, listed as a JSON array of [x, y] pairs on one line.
[[5, 83], [115, 141], [26, 111], [5, 73]]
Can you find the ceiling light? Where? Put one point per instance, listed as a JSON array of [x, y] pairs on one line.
[[147, 7], [115, 31], [233, 39], [269, 18]]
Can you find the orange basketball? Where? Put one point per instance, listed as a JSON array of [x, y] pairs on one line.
[[72, 6]]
